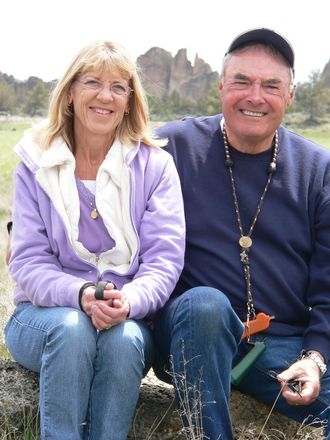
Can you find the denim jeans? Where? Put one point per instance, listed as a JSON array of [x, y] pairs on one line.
[[201, 334], [89, 380]]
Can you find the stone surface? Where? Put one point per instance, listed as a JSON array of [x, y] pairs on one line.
[[164, 74], [155, 418], [325, 76]]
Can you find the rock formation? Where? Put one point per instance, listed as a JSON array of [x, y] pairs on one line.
[[326, 75], [162, 74]]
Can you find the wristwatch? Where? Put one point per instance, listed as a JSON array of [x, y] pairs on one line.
[[317, 359]]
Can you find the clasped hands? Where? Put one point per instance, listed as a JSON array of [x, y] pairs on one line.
[[307, 373], [105, 313]]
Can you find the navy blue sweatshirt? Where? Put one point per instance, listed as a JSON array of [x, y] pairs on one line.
[[290, 256]]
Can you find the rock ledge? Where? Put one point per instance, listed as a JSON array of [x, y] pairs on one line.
[[156, 417]]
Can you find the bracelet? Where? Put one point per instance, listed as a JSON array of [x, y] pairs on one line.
[[9, 227], [317, 359], [100, 286], [99, 291], [81, 291]]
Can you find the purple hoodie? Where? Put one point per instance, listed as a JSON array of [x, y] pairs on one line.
[[49, 264]]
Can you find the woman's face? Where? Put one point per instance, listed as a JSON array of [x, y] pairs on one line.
[[100, 101]]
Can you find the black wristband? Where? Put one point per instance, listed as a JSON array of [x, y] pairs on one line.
[[81, 291], [99, 291], [100, 286], [9, 227]]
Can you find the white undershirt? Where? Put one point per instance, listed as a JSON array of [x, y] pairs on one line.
[[91, 185]]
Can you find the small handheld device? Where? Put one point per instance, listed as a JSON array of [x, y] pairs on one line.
[[258, 324]]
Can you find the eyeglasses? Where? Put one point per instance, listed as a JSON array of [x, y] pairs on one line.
[[116, 88]]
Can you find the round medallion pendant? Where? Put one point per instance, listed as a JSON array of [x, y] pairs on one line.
[[245, 242], [94, 214]]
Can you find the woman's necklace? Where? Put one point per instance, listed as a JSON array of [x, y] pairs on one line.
[[89, 197], [245, 240]]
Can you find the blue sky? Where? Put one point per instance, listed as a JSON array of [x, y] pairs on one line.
[[39, 37]]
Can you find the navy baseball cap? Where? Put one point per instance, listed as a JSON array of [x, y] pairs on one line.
[[265, 36]]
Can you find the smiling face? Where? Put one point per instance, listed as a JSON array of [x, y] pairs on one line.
[[99, 107], [255, 92]]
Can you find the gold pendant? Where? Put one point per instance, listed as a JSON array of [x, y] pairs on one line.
[[245, 242], [94, 214]]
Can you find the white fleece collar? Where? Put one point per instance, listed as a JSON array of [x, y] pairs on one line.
[[54, 169]]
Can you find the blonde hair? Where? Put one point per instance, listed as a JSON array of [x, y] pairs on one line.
[[98, 56]]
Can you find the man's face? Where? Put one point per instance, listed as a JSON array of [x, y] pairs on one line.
[[255, 92]]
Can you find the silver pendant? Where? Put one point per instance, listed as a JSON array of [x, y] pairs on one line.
[[94, 214], [245, 242]]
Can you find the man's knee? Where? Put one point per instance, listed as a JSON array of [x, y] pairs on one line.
[[209, 309]]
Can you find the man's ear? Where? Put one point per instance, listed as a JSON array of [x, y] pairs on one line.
[[220, 87], [291, 94]]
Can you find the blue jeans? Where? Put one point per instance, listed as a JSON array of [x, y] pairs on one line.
[[89, 380], [201, 334]]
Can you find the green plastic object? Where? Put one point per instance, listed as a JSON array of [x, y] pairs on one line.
[[242, 368]]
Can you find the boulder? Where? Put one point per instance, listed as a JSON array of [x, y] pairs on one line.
[[156, 417]]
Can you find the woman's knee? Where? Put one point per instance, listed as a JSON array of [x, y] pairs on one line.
[[74, 332], [131, 341], [60, 331]]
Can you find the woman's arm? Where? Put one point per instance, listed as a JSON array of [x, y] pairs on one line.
[[33, 265], [162, 244]]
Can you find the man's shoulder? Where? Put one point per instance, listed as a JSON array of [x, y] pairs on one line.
[[188, 124], [303, 148]]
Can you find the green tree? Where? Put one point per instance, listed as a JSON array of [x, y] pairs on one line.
[[209, 104], [7, 97], [312, 97], [37, 100]]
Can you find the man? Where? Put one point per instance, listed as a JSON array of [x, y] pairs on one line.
[[257, 204]]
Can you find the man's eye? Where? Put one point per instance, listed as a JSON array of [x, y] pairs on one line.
[[241, 83]]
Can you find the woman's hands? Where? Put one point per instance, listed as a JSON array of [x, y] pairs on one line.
[[104, 313]]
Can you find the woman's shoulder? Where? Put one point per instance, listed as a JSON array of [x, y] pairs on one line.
[[154, 160], [153, 153]]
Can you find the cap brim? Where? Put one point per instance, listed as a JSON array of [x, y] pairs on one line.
[[268, 37]]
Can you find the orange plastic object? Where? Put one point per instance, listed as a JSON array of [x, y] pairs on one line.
[[258, 324]]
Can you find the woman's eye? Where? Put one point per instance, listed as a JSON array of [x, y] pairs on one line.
[[119, 89], [91, 83]]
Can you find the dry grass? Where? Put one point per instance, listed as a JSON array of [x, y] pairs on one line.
[[6, 287]]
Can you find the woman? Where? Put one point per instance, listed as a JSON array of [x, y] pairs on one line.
[[97, 247]]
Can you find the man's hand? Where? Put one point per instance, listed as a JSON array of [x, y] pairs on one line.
[[307, 373]]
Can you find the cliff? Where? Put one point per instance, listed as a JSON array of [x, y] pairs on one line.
[[326, 74], [163, 74]]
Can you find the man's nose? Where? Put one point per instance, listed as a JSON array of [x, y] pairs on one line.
[[256, 95]]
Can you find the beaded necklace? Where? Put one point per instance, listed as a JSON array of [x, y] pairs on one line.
[[245, 240]]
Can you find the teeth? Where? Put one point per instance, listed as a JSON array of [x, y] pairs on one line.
[[101, 111], [256, 114]]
